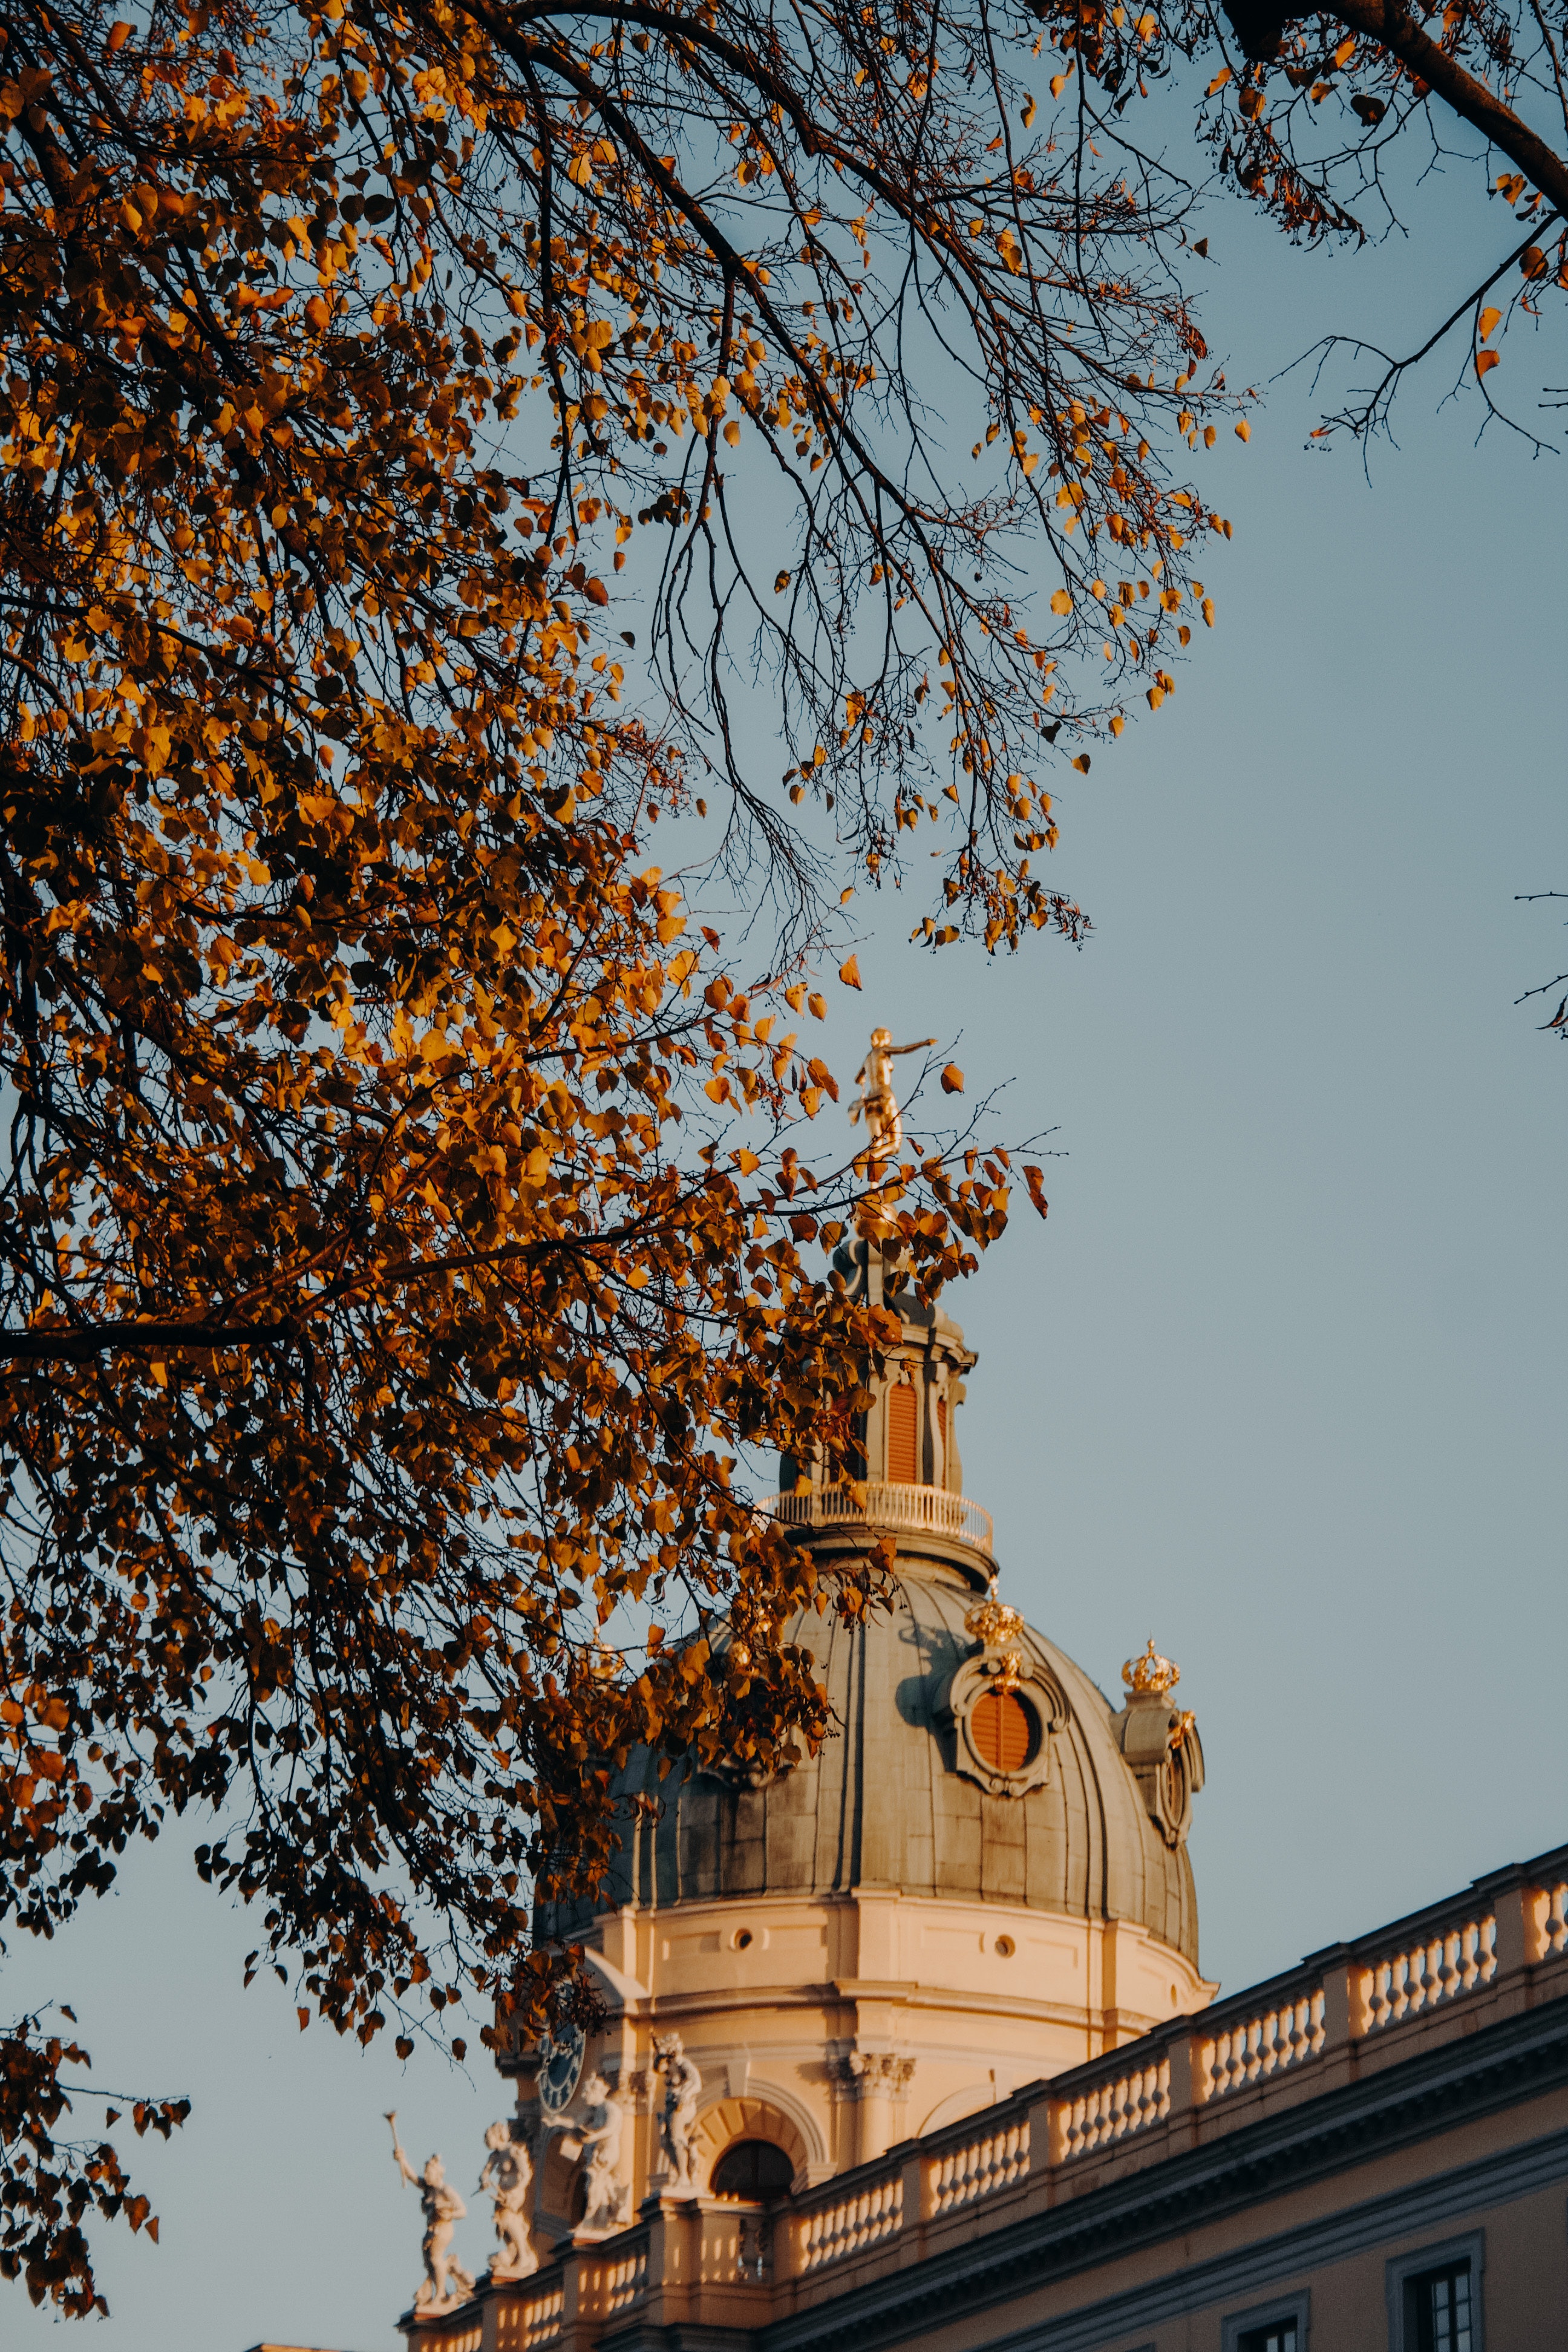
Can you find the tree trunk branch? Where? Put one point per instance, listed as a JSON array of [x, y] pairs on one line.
[[1387, 23]]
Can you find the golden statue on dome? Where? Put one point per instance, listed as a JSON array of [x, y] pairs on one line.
[[875, 1102]]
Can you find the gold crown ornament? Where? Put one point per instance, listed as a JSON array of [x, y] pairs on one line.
[[994, 1624], [1151, 1672]]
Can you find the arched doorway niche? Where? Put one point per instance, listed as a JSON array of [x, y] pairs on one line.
[[729, 2120]]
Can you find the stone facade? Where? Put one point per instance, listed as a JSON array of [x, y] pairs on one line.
[[1384, 2123]]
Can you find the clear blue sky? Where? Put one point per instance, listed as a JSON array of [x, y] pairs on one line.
[[1282, 1379]]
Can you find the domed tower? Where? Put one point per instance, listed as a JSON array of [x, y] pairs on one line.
[[979, 1880]]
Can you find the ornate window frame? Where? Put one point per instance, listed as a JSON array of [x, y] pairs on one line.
[[1400, 2272], [1036, 1691]]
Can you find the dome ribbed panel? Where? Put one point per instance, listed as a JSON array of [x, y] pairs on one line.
[[883, 1806], [835, 1844]]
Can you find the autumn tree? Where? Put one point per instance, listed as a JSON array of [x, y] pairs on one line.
[[405, 1225], [1327, 118]]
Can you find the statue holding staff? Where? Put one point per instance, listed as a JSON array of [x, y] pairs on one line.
[[445, 2282]]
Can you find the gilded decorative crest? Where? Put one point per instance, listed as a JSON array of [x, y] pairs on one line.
[[995, 1626], [1151, 1672]]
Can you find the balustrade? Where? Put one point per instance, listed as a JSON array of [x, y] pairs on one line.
[[524, 2326], [1441, 1967], [961, 2176], [1555, 1926], [1254, 2048], [622, 2282], [736, 2246], [1129, 2100], [918, 1510], [830, 2232]]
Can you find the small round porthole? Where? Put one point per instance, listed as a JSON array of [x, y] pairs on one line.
[[741, 1939], [1004, 1947]]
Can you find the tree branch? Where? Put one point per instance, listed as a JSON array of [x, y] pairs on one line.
[[1380, 399], [1388, 23]]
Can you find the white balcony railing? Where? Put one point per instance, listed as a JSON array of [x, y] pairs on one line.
[[918, 1510]]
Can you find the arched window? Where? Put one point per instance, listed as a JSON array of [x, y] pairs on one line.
[[752, 2167], [903, 1458], [1003, 1731]]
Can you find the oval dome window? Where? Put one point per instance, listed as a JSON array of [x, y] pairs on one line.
[[752, 2167], [1003, 1731]]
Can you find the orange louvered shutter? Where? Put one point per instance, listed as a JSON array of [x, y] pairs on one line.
[[1001, 1730], [902, 1462]]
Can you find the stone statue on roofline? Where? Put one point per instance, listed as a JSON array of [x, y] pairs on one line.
[[446, 2282], [507, 2174], [595, 2140], [677, 2116]]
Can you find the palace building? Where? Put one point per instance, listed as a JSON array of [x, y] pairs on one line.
[[912, 2047]]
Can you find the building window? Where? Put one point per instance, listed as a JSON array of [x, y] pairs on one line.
[[903, 1415], [1003, 1731], [753, 2169], [1435, 2297], [1438, 2304], [1276, 2326]]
